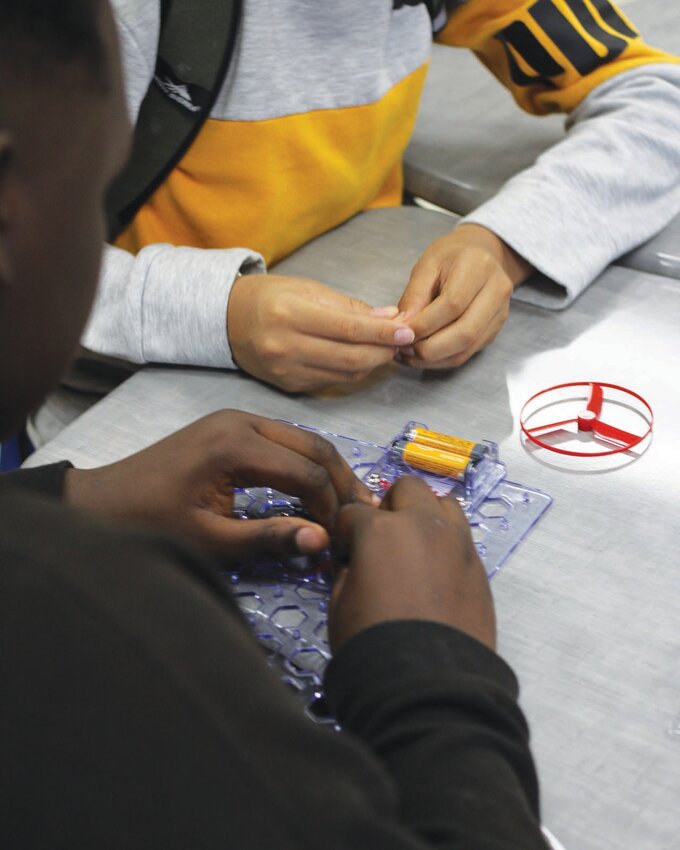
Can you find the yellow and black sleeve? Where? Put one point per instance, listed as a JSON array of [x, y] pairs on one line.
[[550, 53]]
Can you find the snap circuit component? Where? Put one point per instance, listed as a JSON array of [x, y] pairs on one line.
[[430, 459], [446, 442]]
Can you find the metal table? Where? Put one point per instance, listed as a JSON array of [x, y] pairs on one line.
[[589, 604], [471, 137]]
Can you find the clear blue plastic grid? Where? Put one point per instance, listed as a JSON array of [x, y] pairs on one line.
[[286, 602]]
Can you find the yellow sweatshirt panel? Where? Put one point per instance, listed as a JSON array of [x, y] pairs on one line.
[[273, 185], [544, 52]]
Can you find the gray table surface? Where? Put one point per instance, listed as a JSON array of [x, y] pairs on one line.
[[589, 604], [471, 137]]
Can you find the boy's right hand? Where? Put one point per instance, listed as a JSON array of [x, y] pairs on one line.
[[301, 335], [185, 484], [414, 559]]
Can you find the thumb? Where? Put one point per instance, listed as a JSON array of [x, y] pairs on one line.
[[255, 539]]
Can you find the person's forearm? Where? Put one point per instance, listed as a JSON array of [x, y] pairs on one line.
[[44, 480], [166, 305], [610, 185], [440, 712]]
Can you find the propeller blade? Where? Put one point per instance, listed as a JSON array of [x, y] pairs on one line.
[[615, 435], [595, 400], [553, 426]]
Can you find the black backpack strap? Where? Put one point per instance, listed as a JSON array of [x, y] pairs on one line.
[[196, 44]]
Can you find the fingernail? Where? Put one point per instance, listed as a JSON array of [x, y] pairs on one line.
[[408, 350], [404, 336], [385, 312], [375, 499], [308, 539]]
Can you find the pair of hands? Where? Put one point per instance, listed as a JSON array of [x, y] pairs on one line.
[[411, 559], [300, 335]]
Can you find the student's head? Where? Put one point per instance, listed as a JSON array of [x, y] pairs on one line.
[[63, 136]]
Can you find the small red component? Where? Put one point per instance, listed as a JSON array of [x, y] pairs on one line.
[[588, 420]]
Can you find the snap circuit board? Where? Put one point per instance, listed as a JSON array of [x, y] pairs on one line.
[[286, 602]]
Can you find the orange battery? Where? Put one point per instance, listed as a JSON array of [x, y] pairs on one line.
[[431, 459], [446, 442]]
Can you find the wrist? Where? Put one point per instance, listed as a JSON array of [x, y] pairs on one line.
[[234, 318], [514, 265], [86, 489]]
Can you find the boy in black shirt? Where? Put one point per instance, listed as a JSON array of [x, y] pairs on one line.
[[136, 710]]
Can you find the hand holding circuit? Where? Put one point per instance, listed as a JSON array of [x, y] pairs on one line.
[[185, 484], [412, 559]]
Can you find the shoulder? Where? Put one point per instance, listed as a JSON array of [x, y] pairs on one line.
[[138, 32]]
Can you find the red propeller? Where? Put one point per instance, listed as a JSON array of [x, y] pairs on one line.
[[587, 420]]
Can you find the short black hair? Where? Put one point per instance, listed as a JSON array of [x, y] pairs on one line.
[[39, 36]]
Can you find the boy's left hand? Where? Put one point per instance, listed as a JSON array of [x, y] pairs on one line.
[[185, 483], [458, 296]]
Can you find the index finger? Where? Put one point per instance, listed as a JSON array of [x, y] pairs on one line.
[[408, 493], [352, 522], [350, 325], [421, 286], [412, 494], [314, 447], [455, 297]]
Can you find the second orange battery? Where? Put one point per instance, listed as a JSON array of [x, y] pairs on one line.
[[445, 442], [430, 459]]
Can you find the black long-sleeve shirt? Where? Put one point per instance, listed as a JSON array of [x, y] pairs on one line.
[[137, 712]]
